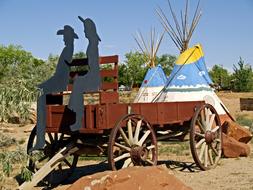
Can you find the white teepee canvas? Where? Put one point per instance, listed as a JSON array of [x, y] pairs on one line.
[[153, 83]]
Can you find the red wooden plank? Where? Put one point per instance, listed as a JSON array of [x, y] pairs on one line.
[[109, 86], [109, 73], [89, 115], [102, 60], [108, 59], [109, 97]]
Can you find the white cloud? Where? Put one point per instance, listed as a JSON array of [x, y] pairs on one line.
[[181, 77]]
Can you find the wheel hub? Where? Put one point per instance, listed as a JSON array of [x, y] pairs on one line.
[[209, 137], [138, 154]]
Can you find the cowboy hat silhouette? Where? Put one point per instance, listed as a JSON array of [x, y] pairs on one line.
[[68, 30]]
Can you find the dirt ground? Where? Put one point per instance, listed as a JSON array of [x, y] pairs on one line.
[[229, 174]]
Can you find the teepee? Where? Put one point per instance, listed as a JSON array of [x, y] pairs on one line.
[[155, 78], [189, 79]]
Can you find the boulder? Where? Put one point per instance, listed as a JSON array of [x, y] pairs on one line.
[[234, 130], [140, 178], [232, 148]]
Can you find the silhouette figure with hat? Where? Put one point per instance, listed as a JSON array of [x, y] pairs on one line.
[[57, 83], [89, 82]]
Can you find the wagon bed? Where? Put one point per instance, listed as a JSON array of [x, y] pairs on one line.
[[98, 118], [125, 132]]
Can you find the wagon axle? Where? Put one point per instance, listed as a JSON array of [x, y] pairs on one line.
[[138, 154], [209, 137]]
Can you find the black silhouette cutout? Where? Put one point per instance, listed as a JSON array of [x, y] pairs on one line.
[[57, 83], [89, 82]]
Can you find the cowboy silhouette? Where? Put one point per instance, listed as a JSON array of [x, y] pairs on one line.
[[57, 83], [89, 82]]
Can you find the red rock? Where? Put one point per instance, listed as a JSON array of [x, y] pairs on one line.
[[234, 130], [133, 178], [232, 148]]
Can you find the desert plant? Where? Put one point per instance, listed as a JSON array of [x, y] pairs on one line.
[[26, 174], [7, 159], [6, 141], [15, 100]]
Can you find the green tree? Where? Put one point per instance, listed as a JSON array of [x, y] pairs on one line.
[[123, 75], [20, 73], [134, 70], [11, 57], [79, 55], [242, 77], [221, 77], [167, 62]]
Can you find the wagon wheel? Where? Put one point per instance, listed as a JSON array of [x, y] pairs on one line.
[[205, 137], [37, 158], [132, 142]]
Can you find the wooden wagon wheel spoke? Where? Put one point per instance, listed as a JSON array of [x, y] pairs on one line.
[[55, 136], [61, 137], [200, 143], [137, 131], [214, 150], [205, 137], [50, 137], [127, 163], [201, 127], [151, 147], [200, 135], [150, 162], [210, 155], [206, 156], [130, 131], [143, 138], [47, 143], [67, 162], [132, 142], [203, 147], [38, 158], [207, 115], [126, 155], [210, 124], [123, 147], [215, 129], [202, 116], [124, 137]]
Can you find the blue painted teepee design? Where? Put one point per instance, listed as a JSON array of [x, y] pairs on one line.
[[154, 81], [155, 78], [189, 72], [190, 81]]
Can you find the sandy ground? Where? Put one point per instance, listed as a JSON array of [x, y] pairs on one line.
[[229, 174]]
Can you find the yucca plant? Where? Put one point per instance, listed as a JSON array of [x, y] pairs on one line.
[[15, 100]]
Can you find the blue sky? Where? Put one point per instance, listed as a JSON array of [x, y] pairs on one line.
[[225, 29]]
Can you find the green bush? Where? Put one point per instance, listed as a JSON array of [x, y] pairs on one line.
[[7, 159], [244, 121]]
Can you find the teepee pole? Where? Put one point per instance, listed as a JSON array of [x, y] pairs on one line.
[[180, 33]]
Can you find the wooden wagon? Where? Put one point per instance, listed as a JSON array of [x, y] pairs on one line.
[[126, 132]]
